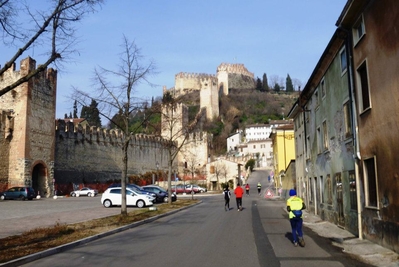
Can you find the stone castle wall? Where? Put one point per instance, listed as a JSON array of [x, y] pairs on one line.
[[90, 155], [235, 76], [30, 112]]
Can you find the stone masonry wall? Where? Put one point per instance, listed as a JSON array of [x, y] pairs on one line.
[[90, 155], [31, 106]]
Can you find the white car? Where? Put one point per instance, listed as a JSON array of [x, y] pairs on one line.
[[113, 197], [85, 191]]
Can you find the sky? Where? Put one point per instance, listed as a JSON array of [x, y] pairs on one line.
[[276, 37]]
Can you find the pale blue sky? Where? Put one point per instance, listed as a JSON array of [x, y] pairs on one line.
[[273, 37]]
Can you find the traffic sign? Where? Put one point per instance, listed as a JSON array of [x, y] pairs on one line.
[[269, 194]]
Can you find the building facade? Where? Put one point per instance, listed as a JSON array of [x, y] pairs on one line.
[[374, 42], [345, 125]]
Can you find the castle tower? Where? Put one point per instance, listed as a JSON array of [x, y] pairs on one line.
[[28, 127], [209, 97], [234, 76]]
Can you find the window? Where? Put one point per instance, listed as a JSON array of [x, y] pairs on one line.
[[348, 119], [325, 136], [358, 30], [321, 189], [363, 87], [344, 63], [319, 141], [307, 146], [316, 96], [352, 190], [329, 189], [370, 180], [323, 89]]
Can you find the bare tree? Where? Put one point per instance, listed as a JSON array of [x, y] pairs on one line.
[[220, 171], [117, 97], [51, 29], [175, 130]]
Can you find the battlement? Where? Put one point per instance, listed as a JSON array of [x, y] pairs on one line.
[[26, 66], [186, 75], [91, 134], [234, 69]]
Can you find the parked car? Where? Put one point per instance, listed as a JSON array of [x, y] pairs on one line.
[[179, 189], [113, 197], [135, 188], [195, 188], [161, 194], [18, 192], [85, 191]]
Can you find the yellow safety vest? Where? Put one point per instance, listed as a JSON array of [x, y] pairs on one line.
[[295, 203]]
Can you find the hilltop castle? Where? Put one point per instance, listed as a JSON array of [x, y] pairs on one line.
[[210, 86]]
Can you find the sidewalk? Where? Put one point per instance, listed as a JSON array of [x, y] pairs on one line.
[[363, 250]]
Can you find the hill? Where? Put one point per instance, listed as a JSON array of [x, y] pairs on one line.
[[239, 109]]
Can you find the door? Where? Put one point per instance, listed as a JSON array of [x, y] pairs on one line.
[[340, 204]]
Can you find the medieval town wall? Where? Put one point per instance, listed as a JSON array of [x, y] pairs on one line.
[[90, 155], [29, 128]]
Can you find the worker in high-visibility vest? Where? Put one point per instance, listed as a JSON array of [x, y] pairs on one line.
[[295, 205]]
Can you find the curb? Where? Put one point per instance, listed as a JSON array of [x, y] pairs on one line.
[[65, 247]]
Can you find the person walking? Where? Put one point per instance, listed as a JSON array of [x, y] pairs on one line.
[[259, 186], [227, 196], [247, 189], [295, 205], [239, 192]]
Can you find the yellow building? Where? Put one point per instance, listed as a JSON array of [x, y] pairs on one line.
[[283, 143]]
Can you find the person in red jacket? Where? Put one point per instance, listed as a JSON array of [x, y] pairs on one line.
[[239, 192], [247, 189]]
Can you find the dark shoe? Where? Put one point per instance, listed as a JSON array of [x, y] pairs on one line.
[[301, 242]]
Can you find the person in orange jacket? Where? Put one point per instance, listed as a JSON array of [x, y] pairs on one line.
[[239, 192]]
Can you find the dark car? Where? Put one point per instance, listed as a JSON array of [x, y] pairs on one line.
[[135, 188], [162, 194], [18, 192]]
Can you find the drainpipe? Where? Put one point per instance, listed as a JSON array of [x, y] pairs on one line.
[[355, 130]]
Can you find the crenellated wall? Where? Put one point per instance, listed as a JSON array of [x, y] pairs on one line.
[[234, 76], [93, 155], [28, 117]]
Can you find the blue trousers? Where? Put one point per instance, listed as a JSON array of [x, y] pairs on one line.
[[296, 226]]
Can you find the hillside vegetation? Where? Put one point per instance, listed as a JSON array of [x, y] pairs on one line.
[[239, 109]]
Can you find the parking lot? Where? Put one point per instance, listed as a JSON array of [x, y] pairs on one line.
[[19, 216]]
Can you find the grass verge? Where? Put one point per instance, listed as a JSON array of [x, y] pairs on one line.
[[40, 239]]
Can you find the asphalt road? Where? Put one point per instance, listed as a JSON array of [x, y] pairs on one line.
[[205, 235]]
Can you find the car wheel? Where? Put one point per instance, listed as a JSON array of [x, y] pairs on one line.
[[165, 199], [107, 203], [89, 194], [140, 203], [73, 195], [2, 197], [22, 197]]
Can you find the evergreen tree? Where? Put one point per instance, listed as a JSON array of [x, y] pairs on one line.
[[66, 116], [75, 110], [265, 83], [91, 114], [258, 84], [277, 87], [289, 87]]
